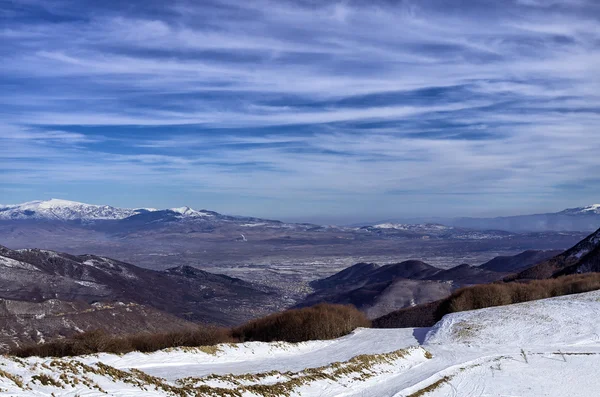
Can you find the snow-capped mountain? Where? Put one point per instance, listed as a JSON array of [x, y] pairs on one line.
[[65, 210], [593, 209], [192, 213]]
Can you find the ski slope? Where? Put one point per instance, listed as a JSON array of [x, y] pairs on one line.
[[543, 348]]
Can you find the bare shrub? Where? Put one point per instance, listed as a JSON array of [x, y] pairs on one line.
[[318, 322], [99, 341], [488, 295], [323, 321]]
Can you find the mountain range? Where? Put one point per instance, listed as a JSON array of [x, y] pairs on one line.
[[378, 290], [573, 219], [585, 218], [45, 294], [64, 210], [35, 275]]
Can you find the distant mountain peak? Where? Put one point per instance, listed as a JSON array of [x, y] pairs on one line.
[[588, 210], [189, 211]]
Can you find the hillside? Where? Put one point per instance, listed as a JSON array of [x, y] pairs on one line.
[[581, 258], [23, 323], [189, 293], [524, 349], [378, 290], [518, 262], [464, 274]]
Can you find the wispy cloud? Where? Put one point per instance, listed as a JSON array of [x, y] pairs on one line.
[[399, 107]]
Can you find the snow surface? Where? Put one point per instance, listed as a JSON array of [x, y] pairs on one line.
[[549, 347]]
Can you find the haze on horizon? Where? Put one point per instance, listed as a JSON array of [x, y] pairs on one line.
[[328, 111]]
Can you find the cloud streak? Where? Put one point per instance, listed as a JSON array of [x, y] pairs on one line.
[[388, 108]]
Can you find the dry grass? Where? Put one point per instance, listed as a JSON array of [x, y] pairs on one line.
[[17, 380], [73, 373], [319, 322], [430, 388], [357, 368], [99, 341], [499, 294], [489, 295]]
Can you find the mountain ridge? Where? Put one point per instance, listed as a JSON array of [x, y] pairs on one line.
[[192, 294]]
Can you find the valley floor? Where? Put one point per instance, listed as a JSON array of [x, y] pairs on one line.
[[543, 348]]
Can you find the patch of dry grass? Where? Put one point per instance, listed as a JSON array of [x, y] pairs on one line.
[[319, 322]]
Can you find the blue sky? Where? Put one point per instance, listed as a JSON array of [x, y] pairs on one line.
[[308, 110]]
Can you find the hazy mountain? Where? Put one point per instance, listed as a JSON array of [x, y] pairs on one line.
[[581, 258], [573, 219], [519, 261], [466, 275], [378, 290], [584, 219], [37, 275], [370, 273], [380, 298]]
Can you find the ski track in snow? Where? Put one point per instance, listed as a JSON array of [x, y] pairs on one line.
[[543, 348]]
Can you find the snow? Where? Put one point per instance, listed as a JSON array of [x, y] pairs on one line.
[[591, 208], [9, 262], [190, 212], [549, 347], [588, 210], [88, 284]]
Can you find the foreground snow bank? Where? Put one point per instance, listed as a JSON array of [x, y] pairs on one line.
[[572, 319], [549, 347]]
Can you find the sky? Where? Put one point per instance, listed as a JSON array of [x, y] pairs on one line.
[[321, 111]]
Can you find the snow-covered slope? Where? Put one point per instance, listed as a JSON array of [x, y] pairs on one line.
[[56, 209], [544, 348], [589, 210]]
